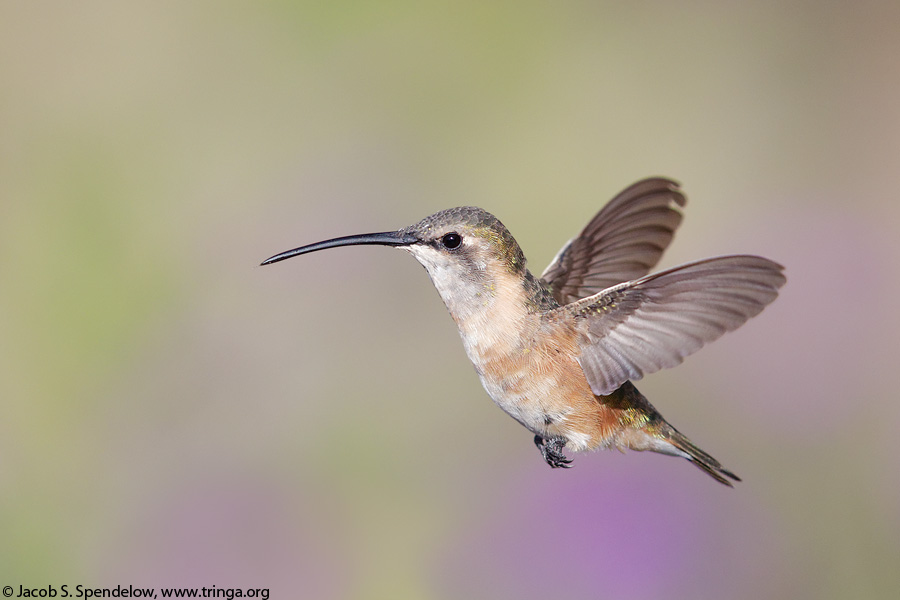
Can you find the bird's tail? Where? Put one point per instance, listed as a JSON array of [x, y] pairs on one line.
[[701, 459]]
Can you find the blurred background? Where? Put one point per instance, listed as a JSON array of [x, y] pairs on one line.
[[175, 415]]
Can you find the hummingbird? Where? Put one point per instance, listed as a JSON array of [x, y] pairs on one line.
[[559, 353]]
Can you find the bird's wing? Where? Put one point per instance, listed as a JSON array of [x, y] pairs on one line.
[[653, 323], [623, 242]]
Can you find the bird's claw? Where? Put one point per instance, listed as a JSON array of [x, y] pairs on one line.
[[551, 450]]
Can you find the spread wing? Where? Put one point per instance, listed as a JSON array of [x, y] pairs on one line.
[[623, 242], [653, 323]]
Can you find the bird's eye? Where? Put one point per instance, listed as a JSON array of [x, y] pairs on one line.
[[451, 240]]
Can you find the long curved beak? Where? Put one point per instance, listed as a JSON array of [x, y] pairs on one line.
[[388, 238]]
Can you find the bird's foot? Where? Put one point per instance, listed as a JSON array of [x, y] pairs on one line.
[[551, 450]]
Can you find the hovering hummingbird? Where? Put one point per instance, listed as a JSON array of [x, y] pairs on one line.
[[559, 353]]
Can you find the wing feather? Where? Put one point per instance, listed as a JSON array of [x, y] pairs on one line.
[[653, 323], [621, 243]]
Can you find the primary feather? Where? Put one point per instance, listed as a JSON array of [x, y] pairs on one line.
[[653, 323], [621, 243]]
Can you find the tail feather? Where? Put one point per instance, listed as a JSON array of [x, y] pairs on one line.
[[702, 460], [652, 428]]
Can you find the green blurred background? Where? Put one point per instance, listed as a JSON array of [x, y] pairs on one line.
[[174, 415]]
